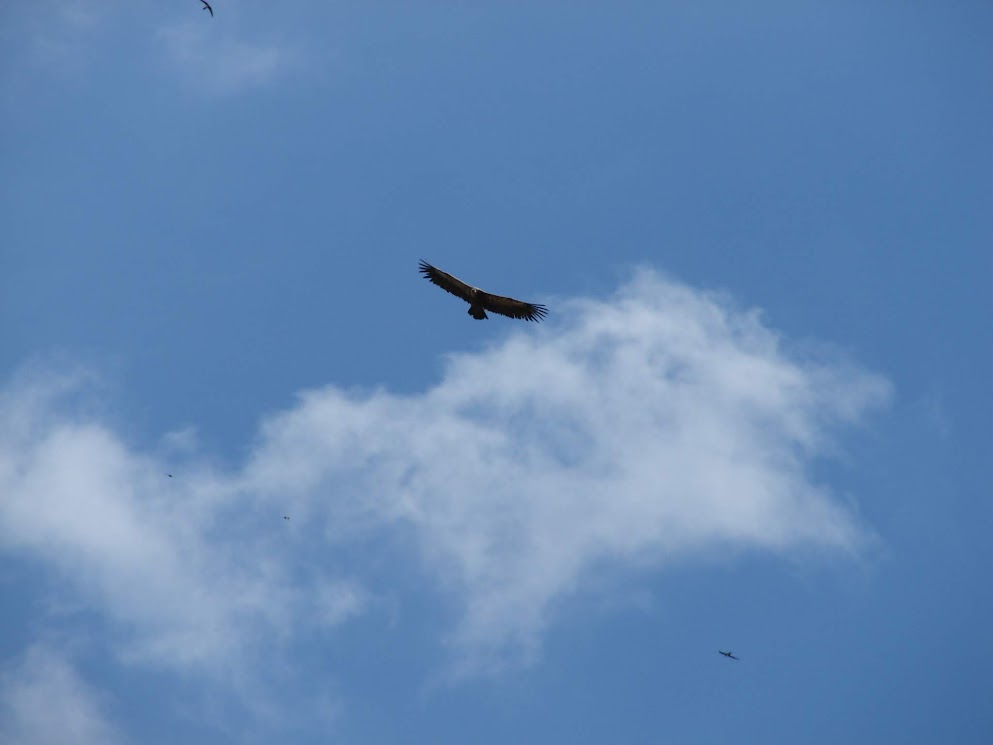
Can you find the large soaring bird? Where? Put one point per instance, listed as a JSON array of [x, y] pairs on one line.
[[206, 6], [479, 301], [727, 654]]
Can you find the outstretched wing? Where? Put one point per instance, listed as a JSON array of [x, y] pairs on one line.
[[446, 281], [507, 306]]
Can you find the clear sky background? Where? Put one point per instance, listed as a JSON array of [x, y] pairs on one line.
[[757, 417]]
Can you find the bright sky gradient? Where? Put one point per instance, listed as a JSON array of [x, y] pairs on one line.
[[757, 417]]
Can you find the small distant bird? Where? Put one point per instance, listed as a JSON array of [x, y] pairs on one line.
[[286, 517], [479, 301], [727, 654], [206, 6], [169, 475]]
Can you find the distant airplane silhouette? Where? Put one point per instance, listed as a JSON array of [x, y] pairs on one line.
[[727, 654], [206, 6]]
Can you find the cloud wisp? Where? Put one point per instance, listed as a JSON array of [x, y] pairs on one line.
[[221, 63], [213, 57], [660, 423], [43, 701]]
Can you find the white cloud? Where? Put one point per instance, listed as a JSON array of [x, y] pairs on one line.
[[149, 551], [44, 702], [662, 423]]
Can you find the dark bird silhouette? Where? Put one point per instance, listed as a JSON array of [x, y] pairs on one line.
[[206, 6], [479, 301], [286, 517], [727, 654], [169, 475]]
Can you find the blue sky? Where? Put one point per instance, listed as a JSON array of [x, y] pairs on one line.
[[755, 419]]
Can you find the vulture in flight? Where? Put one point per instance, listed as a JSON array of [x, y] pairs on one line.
[[206, 6], [727, 654], [479, 301]]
